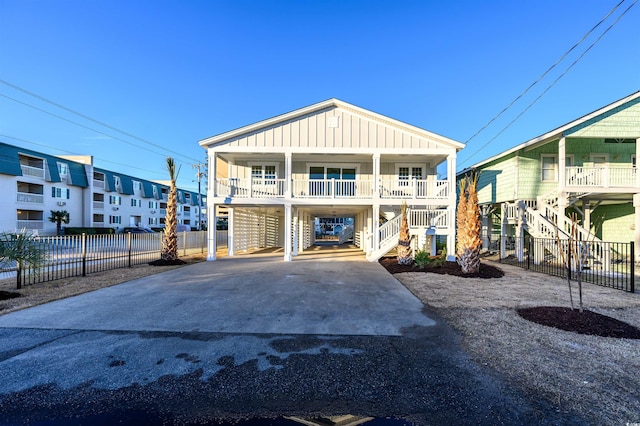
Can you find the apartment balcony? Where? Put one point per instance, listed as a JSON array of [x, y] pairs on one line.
[[98, 205], [32, 171], [601, 178], [27, 197], [30, 225], [98, 184], [333, 189]]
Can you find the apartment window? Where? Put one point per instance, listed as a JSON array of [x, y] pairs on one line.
[[549, 165], [153, 204], [60, 192], [115, 199], [136, 203], [98, 218], [115, 220], [153, 221], [63, 169], [137, 186]]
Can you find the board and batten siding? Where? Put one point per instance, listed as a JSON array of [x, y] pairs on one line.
[[351, 131]]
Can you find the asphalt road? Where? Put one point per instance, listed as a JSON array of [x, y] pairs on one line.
[[249, 338]]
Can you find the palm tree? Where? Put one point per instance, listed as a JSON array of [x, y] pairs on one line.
[[170, 241], [59, 217], [405, 253], [468, 215], [21, 251]]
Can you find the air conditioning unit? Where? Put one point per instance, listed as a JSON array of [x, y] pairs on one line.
[[62, 203], [115, 208], [152, 212]]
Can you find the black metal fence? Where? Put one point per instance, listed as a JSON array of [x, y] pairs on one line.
[[79, 255], [605, 264]]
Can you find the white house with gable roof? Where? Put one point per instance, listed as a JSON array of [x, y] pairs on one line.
[[330, 159]]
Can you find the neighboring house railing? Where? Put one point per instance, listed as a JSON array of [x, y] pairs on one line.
[[79, 255], [603, 176], [543, 255]]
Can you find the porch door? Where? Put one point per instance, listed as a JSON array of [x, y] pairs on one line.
[[343, 179]]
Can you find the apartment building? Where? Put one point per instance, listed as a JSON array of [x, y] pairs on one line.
[[33, 184]]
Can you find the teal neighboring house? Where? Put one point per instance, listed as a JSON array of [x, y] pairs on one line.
[[587, 166]]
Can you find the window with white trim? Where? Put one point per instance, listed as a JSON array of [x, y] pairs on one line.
[[60, 192], [115, 199], [264, 173], [549, 167], [406, 173]]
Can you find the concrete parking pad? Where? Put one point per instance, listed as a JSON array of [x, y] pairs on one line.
[[246, 294]]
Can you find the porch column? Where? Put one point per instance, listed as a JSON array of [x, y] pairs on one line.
[[486, 227], [376, 175], [636, 236], [562, 163], [586, 221], [451, 208], [288, 163], [637, 165], [212, 245], [520, 232], [375, 228], [230, 232], [368, 236], [287, 232], [296, 231], [503, 230], [213, 169]]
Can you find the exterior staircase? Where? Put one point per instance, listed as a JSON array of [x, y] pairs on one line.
[[545, 221], [418, 219]]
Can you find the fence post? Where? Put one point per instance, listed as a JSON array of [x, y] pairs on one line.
[[569, 258], [129, 247], [528, 253], [84, 254], [632, 284]]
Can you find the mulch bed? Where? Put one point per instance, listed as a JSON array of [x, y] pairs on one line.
[[586, 322], [448, 268], [162, 262], [6, 295]]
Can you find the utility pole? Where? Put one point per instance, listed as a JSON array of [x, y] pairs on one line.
[[201, 167]]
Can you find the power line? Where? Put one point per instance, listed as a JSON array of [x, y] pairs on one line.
[[544, 74], [86, 117], [552, 84]]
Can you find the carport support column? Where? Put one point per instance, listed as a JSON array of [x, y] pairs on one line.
[[287, 232], [376, 227], [636, 237], [376, 175], [296, 231], [230, 232], [211, 233]]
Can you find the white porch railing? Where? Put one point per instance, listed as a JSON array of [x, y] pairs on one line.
[[251, 188], [415, 188], [332, 188], [602, 176], [26, 197], [424, 218], [32, 171]]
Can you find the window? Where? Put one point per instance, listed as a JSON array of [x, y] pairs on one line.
[[406, 173], [153, 221], [98, 218], [137, 186], [549, 165], [115, 199], [63, 169], [115, 220], [136, 203], [59, 192], [153, 204], [264, 174]]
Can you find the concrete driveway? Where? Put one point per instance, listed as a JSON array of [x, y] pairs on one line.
[[247, 294]]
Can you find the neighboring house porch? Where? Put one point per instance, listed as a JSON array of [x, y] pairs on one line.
[[586, 167], [328, 160]]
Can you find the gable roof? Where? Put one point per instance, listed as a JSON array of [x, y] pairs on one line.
[[329, 103], [560, 131]]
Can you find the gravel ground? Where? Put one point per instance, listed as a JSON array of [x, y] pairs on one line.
[[595, 376]]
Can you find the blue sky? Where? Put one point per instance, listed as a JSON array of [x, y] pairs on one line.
[[171, 73]]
